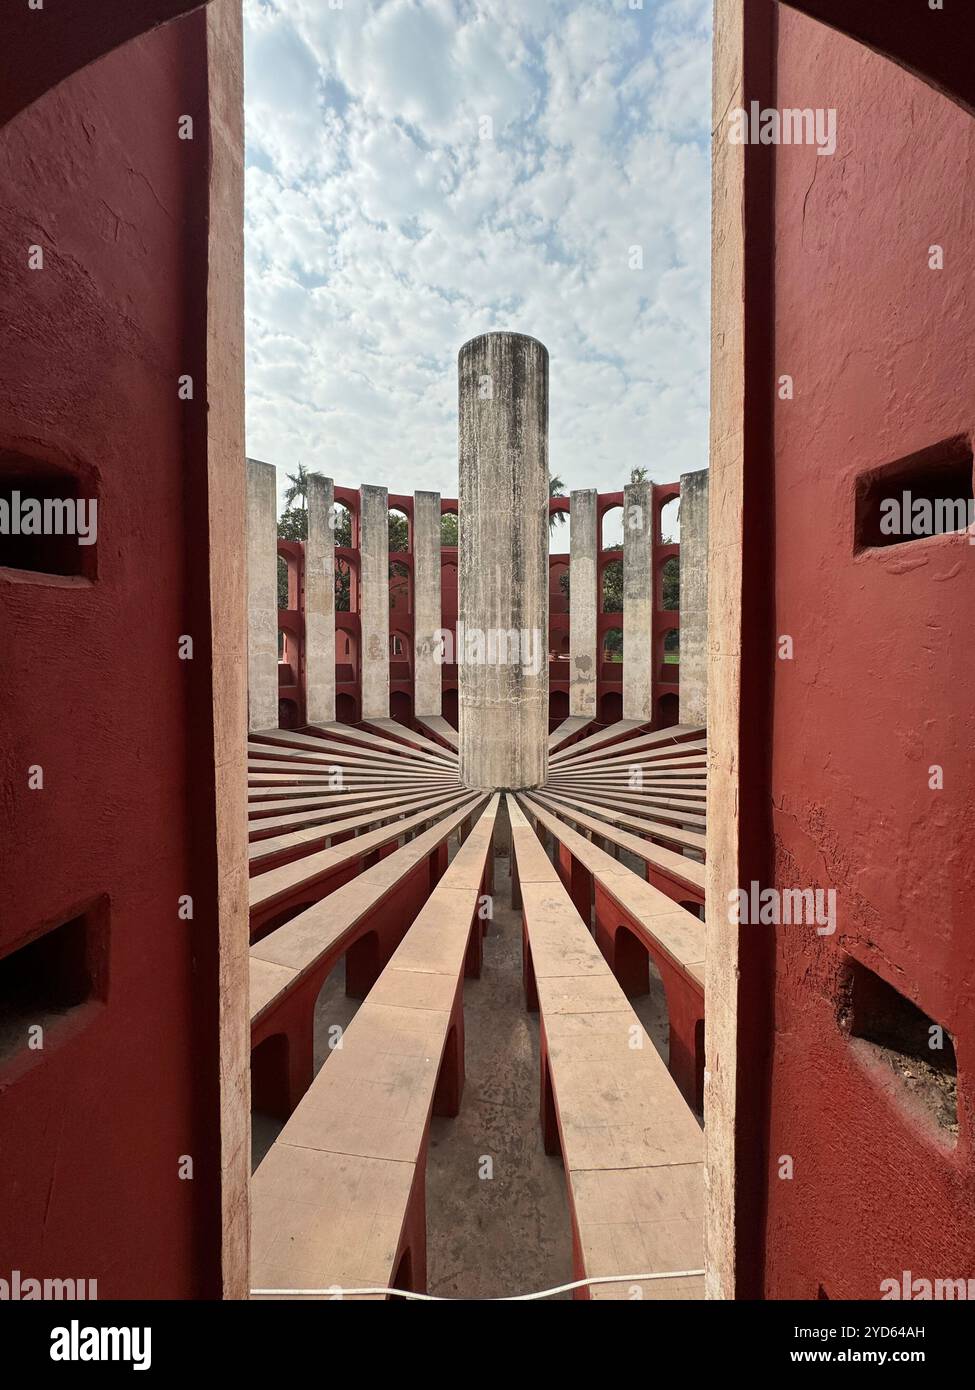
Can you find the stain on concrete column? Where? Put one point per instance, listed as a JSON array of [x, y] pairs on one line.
[[502, 634], [583, 607], [374, 600], [638, 602], [320, 602], [693, 690], [262, 595], [427, 668]]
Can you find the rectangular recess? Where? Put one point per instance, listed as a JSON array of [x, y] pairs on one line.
[[53, 974], [895, 1032], [57, 491], [940, 476]]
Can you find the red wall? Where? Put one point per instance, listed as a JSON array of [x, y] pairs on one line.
[[880, 687], [91, 687]]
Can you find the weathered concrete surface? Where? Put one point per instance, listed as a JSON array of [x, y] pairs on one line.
[[262, 595], [693, 688], [583, 606], [503, 583], [638, 601], [374, 600], [320, 602], [427, 683]]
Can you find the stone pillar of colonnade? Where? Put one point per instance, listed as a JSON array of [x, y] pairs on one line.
[[638, 601], [583, 606], [262, 595], [502, 633], [694, 597], [320, 602], [374, 600], [427, 682]]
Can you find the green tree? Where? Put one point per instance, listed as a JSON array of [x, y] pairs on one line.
[[556, 488], [448, 529], [297, 489]]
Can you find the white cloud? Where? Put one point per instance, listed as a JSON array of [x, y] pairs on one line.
[[382, 231]]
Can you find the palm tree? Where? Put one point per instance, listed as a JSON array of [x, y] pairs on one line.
[[297, 489], [556, 488]]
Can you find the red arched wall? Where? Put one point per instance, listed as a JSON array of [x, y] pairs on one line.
[[91, 685], [880, 686]]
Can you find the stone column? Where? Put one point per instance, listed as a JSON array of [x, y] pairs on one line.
[[638, 602], [583, 605], [502, 634], [694, 597], [262, 595], [320, 602], [374, 600], [427, 684]]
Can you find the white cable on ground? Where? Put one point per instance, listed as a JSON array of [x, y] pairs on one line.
[[338, 1293]]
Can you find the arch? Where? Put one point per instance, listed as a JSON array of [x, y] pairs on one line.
[[449, 706], [667, 710], [287, 714], [670, 652], [611, 707], [346, 656], [346, 710], [400, 588], [668, 596], [611, 528], [611, 587], [342, 530], [632, 963], [612, 650], [400, 531], [346, 585], [558, 705], [668, 522], [449, 524], [270, 1062], [401, 707]]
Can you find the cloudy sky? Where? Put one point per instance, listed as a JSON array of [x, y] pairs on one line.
[[420, 171]]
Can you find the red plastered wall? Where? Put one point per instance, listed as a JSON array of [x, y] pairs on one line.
[[880, 688], [91, 688]]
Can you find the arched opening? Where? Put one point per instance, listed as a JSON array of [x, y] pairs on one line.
[[611, 707], [287, 714], [399, 530], [269, 1076], [650, 1006], [611, 529], [667, 710], [401, 707], [345, 708], [632, 963], [346, 656], [558, 705], [449, 706], [334, 1010], [612, 655], [346, 590], [669, 596], [342, 534], [270, 1062], [611, 587], [670, 654], [669, 533], [400, 595], [448, 530]]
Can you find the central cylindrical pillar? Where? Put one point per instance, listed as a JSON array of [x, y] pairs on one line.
[[502, 629]]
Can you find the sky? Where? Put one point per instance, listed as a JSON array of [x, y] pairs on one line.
[[419, 173]]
